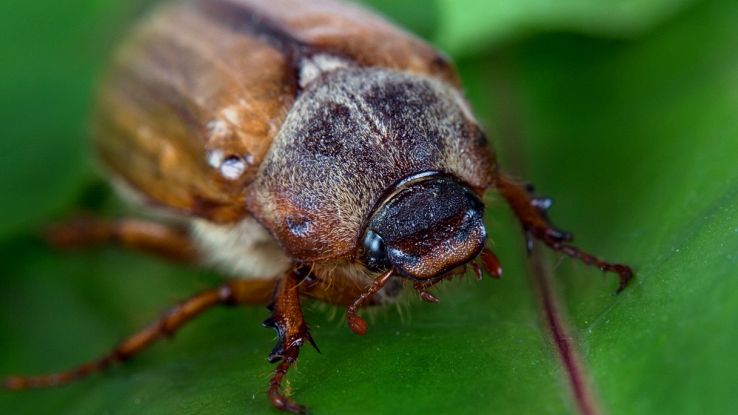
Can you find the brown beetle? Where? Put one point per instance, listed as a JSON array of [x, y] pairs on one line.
[[305, 148]]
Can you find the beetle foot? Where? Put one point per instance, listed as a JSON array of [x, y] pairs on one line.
[[292, 332], [531, 212], [558, 243], [276, 397]]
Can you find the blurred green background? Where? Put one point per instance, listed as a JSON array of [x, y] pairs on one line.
[[625, 111]]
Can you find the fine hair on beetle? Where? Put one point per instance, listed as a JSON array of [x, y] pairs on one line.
[[304, 150]]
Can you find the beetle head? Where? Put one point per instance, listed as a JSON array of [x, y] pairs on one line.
[[426, 227], [352, 135]]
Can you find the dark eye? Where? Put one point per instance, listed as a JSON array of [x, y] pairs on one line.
[[374, 253]]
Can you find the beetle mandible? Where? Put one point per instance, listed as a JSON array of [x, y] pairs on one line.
[[304, 149]]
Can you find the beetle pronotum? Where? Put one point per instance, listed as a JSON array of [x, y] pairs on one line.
[[295, 140]]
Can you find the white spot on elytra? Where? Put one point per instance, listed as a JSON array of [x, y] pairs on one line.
[[215, 158], [232, 168], [313, 67]]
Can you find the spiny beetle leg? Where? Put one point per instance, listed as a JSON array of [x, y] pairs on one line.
[[292, 332]]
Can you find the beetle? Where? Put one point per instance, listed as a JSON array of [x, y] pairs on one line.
[[305, 149]]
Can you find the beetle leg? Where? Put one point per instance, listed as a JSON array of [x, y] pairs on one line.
[[422, 290], [232, 293], [490, 263], [140, 235], [477, 270], [531, 212], [357, 324], [292, 332]]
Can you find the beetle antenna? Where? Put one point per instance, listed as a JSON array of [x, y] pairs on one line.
[[355, 322]]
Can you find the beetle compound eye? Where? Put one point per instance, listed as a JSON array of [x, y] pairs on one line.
[[374, 254]]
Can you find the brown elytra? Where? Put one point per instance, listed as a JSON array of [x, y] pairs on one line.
[[302, 148]]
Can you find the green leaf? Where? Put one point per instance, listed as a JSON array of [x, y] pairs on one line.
[[417, 16], [52, 54], [636, 140], [470, 26]]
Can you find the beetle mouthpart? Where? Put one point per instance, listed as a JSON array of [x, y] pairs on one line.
[[426, 229]]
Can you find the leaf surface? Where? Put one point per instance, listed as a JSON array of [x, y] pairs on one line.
[[636, 139]]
